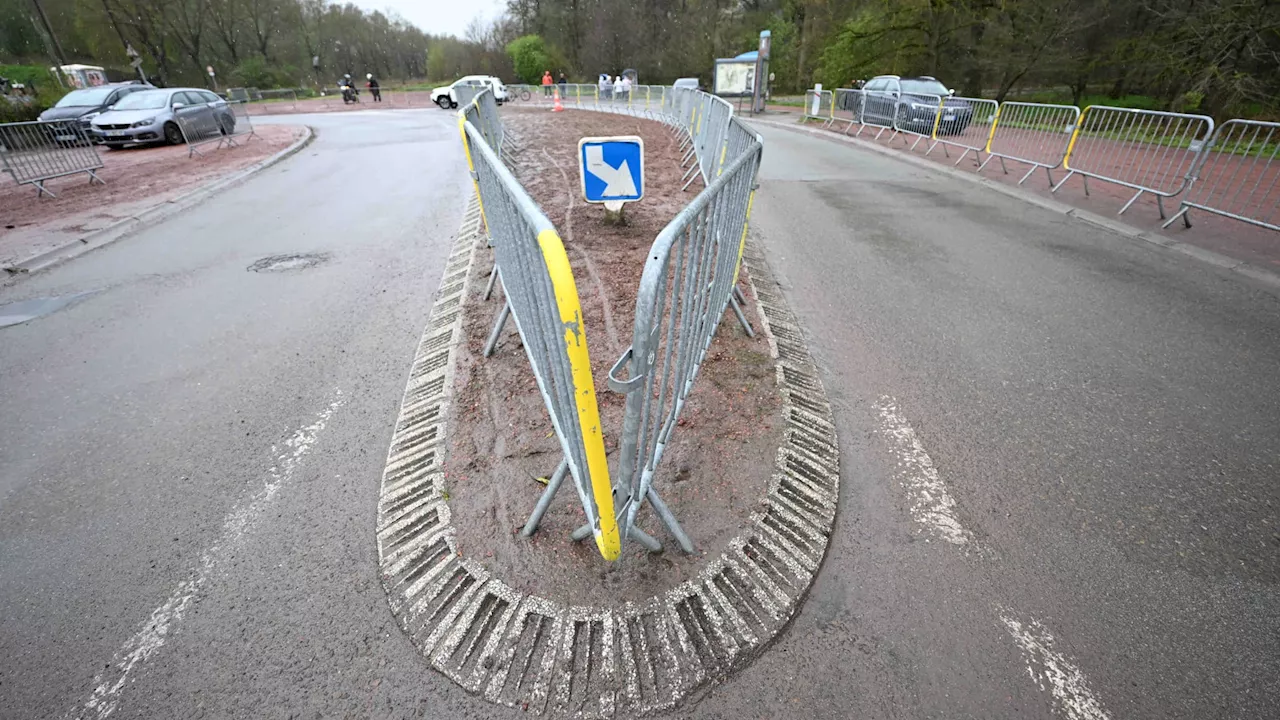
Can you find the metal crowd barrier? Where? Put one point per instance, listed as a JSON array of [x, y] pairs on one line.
[[1238, 175], [819, 105], [878, 109], [967, 124], [850, 102], [1033, 134], [36, 152], [202, 125], [543, 299], [689, 282], [917, 114], [1144, 150]]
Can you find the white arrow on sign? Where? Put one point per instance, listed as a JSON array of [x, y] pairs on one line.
[[617, 181]]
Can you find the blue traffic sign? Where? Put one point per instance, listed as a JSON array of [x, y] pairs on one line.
[[612, 169]]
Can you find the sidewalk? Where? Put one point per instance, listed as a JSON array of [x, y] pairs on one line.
[[138, 181]]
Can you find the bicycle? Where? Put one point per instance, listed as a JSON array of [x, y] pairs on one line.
[[525, 94]]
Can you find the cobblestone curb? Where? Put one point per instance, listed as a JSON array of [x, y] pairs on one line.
[[528, 652]]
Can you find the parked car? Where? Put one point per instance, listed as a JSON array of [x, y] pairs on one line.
[[913, 103], [153, 116], [690, 82], [82, 106], [447, 97]]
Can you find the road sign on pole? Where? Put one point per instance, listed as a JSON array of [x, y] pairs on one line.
[[612, 170]]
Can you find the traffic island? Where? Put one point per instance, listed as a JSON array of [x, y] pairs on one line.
[[751, 471]]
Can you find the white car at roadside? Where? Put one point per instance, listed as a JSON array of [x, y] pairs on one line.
[[447, 97]]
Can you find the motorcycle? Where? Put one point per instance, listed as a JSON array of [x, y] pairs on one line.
[[350, 94]]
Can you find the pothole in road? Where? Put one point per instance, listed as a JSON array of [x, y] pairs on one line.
[[17, 313], [287, 263]]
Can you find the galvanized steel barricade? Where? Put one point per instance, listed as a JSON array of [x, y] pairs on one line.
[[966, 123], [689, 281], [918, 115], [818, 105], [877, 109], [202, 125], [1034, 134], [1145, 150], [35, 152], [1238, 175], [848, 108], [543, 299]]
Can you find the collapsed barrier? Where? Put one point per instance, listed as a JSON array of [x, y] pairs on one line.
[[1144, 150], [36, 152], [1237, 175], [689, 281], [221, 122]]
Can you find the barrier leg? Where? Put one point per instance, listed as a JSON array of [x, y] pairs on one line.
[[41, 190], [1182, 213], [94, 176], [492, 343], [1064, 181], [1160, 204], [1029, 173], [742, 318], [493, 280], [544, 502], [1132, 200], [647, 541], [664, 514], [984, 162]]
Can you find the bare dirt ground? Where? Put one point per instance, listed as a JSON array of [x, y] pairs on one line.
[[718, 463], [137, 179]]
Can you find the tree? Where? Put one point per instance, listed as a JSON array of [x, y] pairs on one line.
[[530, 58]]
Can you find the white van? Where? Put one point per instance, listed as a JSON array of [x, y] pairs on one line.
[[447, 97]]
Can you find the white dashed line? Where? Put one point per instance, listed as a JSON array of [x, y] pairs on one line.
[[164, 619], [1052, 671], [931, 504]]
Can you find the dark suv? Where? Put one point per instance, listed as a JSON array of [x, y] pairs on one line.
[[86, 104], [913, 103]]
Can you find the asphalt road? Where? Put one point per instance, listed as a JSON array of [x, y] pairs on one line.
[[1103, 418], [1059, 454]]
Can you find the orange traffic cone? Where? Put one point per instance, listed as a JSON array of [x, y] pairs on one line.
[[558, 107]]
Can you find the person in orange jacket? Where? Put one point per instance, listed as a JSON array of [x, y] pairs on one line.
[[546, 83]]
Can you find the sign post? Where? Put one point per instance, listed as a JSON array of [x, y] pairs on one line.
[[760, 92], [612, 173]]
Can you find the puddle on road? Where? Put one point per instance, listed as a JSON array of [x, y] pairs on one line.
[[25, 310], [285, 263]]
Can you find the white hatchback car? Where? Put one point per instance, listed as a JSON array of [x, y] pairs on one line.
[[447, 97]]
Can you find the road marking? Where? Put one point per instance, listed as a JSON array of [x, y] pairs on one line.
[[164, 619], [1053, 671], [931, 504]]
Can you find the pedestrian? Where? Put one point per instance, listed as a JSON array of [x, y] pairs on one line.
[[374, 88], [606, 87], [546, 83], [562, 81], [626, 87]]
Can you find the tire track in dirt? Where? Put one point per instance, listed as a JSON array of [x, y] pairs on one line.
[[601, 292]]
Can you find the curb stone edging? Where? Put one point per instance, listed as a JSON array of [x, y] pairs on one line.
[[1256, 272], [152, 215], [528, 652]]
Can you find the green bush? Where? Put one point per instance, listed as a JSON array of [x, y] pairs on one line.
[[15, 110], [256, 73], [530, 57]]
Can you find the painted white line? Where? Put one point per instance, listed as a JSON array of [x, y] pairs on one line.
[[931, 504], [164, 619], [1052, 671]]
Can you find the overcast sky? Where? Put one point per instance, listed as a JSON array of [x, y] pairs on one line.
[[438, 17]]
